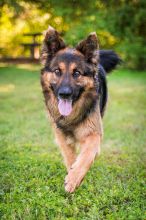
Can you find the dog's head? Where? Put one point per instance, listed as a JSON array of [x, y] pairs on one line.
[[68, 72]]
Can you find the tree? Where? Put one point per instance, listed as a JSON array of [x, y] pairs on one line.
[[120, 25]]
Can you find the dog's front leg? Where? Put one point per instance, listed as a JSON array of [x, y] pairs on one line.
[[90, 147], [67, 148]]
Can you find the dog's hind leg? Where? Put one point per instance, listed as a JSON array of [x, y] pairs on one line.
[[90, 147], [67, 148]]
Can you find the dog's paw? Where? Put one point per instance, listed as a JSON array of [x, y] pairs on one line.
[[73, 180]]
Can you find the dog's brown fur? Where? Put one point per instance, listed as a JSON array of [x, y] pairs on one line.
[[83, 126]]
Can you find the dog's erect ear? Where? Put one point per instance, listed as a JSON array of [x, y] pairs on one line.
[[52, 43], [89, 47]]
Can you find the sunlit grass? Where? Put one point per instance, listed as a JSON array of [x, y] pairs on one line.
[[7, 88]]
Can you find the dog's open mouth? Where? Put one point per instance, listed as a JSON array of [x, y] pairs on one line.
[[65, 106]]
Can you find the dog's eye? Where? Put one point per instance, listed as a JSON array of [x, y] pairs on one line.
[[57, 72], [76, 74]]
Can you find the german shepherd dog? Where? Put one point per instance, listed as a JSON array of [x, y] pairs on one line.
[[75, 90]]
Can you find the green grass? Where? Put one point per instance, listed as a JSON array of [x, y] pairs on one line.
[[31, 168]]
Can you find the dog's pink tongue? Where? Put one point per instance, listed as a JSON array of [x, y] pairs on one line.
[[65, 107]]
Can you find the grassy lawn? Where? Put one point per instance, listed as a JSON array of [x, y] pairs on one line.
[[31, 168]]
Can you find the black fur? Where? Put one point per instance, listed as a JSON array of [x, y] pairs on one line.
[[103, 91], [108, 61]]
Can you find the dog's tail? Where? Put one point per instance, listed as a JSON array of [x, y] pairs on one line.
[[108, 60]]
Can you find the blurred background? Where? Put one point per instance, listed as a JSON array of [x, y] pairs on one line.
[[120, 25]]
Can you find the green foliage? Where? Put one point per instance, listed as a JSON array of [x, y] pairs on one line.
[[31, 168], [120, 25], [128, 23]]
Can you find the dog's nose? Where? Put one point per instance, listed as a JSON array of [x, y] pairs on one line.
[[65, 92]]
